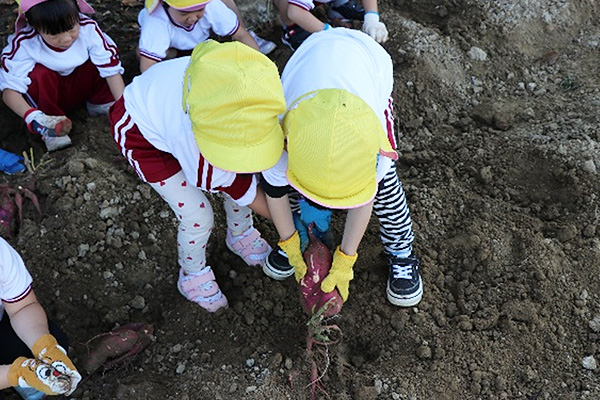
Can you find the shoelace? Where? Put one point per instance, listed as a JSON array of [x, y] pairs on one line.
[[402, 271]]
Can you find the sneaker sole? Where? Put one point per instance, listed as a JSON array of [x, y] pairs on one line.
[[411, 301], [275, 273]]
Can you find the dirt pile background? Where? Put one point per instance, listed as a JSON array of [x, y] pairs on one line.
[[497, 110]]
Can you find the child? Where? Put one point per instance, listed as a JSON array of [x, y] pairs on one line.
[[298, 21], [340, 140], [56, 60], [173, 28], [31, 360], [227, 129]]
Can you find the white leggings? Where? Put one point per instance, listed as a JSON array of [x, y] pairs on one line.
[[196, 219]]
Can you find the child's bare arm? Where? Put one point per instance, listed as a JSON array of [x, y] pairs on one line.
[[370, 5], [116, 85], [242, 35], [146, 63], [281, 214], [304, 18], [357, 221], [16, 102], [28, 319]]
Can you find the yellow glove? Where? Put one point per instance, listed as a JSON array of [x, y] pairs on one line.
[[340, 273], [47, 349], [30, 372], [291, 247]]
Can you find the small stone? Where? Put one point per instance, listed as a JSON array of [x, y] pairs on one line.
[[138, 302], [180, 368], [233, 388], [595, 324], [589, 362], [289, 364], [177, 348], [251, 389], [589, 166], [424, 352], [476, 53], [250, 362]]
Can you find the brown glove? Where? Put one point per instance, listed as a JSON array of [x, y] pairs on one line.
[[30, 372], [50, 352]]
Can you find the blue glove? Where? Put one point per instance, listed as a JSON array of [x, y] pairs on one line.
[[11, 163], [302, 231], [310, 214]]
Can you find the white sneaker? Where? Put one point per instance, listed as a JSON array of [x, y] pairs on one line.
[[56, 142], [98, 109], [265, 46]]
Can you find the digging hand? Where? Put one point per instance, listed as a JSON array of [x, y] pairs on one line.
[[47, 349], [340, 273], [291, 247], [374, 28], [33, 373]]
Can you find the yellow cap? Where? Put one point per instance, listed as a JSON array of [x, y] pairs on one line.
[[233, 96], [333, 140], [182, 5]]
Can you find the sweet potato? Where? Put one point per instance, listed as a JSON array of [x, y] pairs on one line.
[[117, 347], [318, 259]]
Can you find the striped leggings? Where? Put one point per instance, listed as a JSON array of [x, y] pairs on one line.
[[395, 225]]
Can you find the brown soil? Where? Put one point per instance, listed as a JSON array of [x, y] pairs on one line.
[[500, 162]]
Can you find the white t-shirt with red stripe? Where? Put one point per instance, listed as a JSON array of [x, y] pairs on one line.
[[26, 48], [159, 32], [15, 281], [154, 102], [339, 58]]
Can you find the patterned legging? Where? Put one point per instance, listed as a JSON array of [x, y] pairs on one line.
[[395, 225]]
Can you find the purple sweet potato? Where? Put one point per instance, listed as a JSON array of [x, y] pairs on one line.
[[117, 347], [318, 259]]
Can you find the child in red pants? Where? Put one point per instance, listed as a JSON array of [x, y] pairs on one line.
[[58, 59]]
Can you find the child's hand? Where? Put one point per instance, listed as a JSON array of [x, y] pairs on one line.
[[309, 214], [50, 352], [374, 28], [291, 247], [340, 274], [30, 372], [47, 125]]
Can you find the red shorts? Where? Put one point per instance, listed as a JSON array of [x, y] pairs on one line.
[[151, 165]]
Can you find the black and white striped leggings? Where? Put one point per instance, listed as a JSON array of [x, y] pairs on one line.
[[395, 225]]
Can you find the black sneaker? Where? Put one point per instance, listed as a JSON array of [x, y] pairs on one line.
[[277, 266], [293, 36], [347, 12], [404, 285]]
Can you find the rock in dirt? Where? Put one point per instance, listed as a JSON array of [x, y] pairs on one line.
[[589, 362]]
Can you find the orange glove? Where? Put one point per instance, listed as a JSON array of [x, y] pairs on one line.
[[291, 247], [340, 273], [50, 352], [29, 372]]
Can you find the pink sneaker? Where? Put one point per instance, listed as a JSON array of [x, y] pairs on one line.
[[202, 288], [250, 246]]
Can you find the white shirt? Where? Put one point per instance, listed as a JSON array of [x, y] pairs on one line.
[[154, 102], [159, 32], [338, 58], [15, 281], [26, 48]]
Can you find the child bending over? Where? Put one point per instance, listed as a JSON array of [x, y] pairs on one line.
[[226, 130], [340, 141], [172, 28]]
